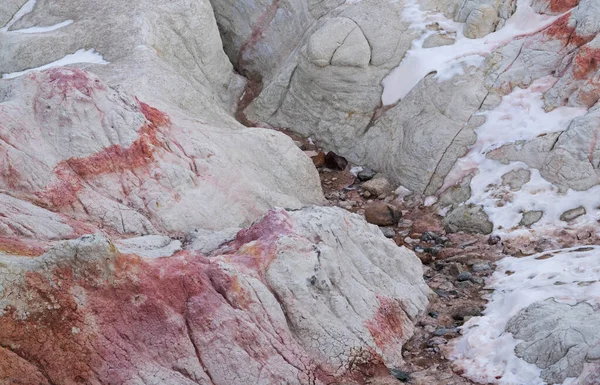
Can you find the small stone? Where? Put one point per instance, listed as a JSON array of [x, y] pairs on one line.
[[464, 285], [467, 244], [583, 235], [444, 332], [382, 214], [366, 174], [464, 276], [429, 236], [410, 241], [335, 161], [429, 328], [493, 240], [319, 160], [436, 341], [347, 204], [367, 194], [477, 280], [377, 186], [531, 217], [455, 269], [425, 258], [400, 375], [388, 232], [461, 312], [572, 214], [432, 250], [405, 223], [468, 218], [481, 266], [434, 314]]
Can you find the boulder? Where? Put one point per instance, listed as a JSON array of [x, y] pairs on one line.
[[186, 318], [382, 214], [105, 142], [558, 338], [468, 218], [379, 185]]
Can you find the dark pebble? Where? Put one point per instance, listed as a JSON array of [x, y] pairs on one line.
[[366, 174], [335, 162], [464, 276], [493, 240], [443, 331], [400, 375]]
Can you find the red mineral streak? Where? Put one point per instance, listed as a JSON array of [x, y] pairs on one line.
[[66, 80], [15, 246], [113, 159], [116, 159], [14, 370], [563, 30], [586, 62], [269, 228], [258, 30], [44, 337], [386, 327], [560, 6]]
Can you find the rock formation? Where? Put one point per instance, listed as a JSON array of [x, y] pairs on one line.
[[156, 226]]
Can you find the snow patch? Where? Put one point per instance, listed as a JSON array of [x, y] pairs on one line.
[[81, 56], [485, 351], [519, 117], [44, 29], [25, 9], [448, 60]]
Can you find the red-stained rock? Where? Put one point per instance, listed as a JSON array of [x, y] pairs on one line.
[[84, 313]]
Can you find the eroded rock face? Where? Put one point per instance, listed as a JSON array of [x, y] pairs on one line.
[[115, 161], [222, 319], [559, 338], [142, 150]]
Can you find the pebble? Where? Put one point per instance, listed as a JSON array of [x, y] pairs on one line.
[[435, 341], [467, 244], [464, 276], [382, 214], [388, 232], [477, 280], [464, 285], [400, 375], [461, 312], [434, 314], [481, 266], [366, 174], [444, 332], [493, 240], [335, 162], [319, 160]]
